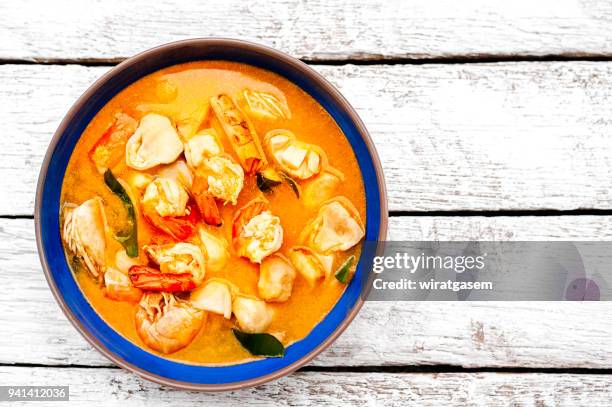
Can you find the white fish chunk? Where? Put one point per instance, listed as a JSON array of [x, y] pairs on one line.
[[214, 296], [276, 276], [337, 227], [154, 142], [252, 314], [300, 160]]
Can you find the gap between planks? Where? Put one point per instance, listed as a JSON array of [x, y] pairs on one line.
[[470, 59], [464, 213], [401, 369]]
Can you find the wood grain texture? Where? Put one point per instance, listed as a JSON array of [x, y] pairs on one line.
[[39, 30], [451, 137], [501, 228], [491, 334], [114, 387]]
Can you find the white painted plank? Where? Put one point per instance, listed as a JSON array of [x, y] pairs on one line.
[[501, 228], [114, 387], [451, 137], [42, 30], [492, 334]]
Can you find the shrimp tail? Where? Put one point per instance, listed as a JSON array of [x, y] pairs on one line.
[[179, 228], [149, 278], [206, 202]]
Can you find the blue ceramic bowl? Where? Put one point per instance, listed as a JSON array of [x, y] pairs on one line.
[[61, 280]]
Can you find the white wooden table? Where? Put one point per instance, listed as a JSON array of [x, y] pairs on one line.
[[493, 120]]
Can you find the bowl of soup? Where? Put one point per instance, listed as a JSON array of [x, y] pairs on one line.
[[201, 213]]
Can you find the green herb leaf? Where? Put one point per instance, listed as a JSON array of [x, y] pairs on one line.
[[343, 271], [267, 179], [294, 186], [260, 344], [129, 241]]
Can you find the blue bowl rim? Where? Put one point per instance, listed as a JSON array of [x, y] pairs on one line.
[[74, 111]]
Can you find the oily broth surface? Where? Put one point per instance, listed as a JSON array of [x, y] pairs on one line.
[[196, 83]]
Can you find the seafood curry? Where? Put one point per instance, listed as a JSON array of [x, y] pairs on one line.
[[213, 212]]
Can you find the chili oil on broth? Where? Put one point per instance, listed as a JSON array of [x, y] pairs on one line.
[[195, 84]]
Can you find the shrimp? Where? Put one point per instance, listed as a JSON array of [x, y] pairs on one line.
[[84, 232], [181, 268], [206, 202], [166, 323], [109, 149], [256, 232], [165, 206], [217, 178]]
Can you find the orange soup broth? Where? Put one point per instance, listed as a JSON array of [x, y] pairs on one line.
[[177, 92]]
